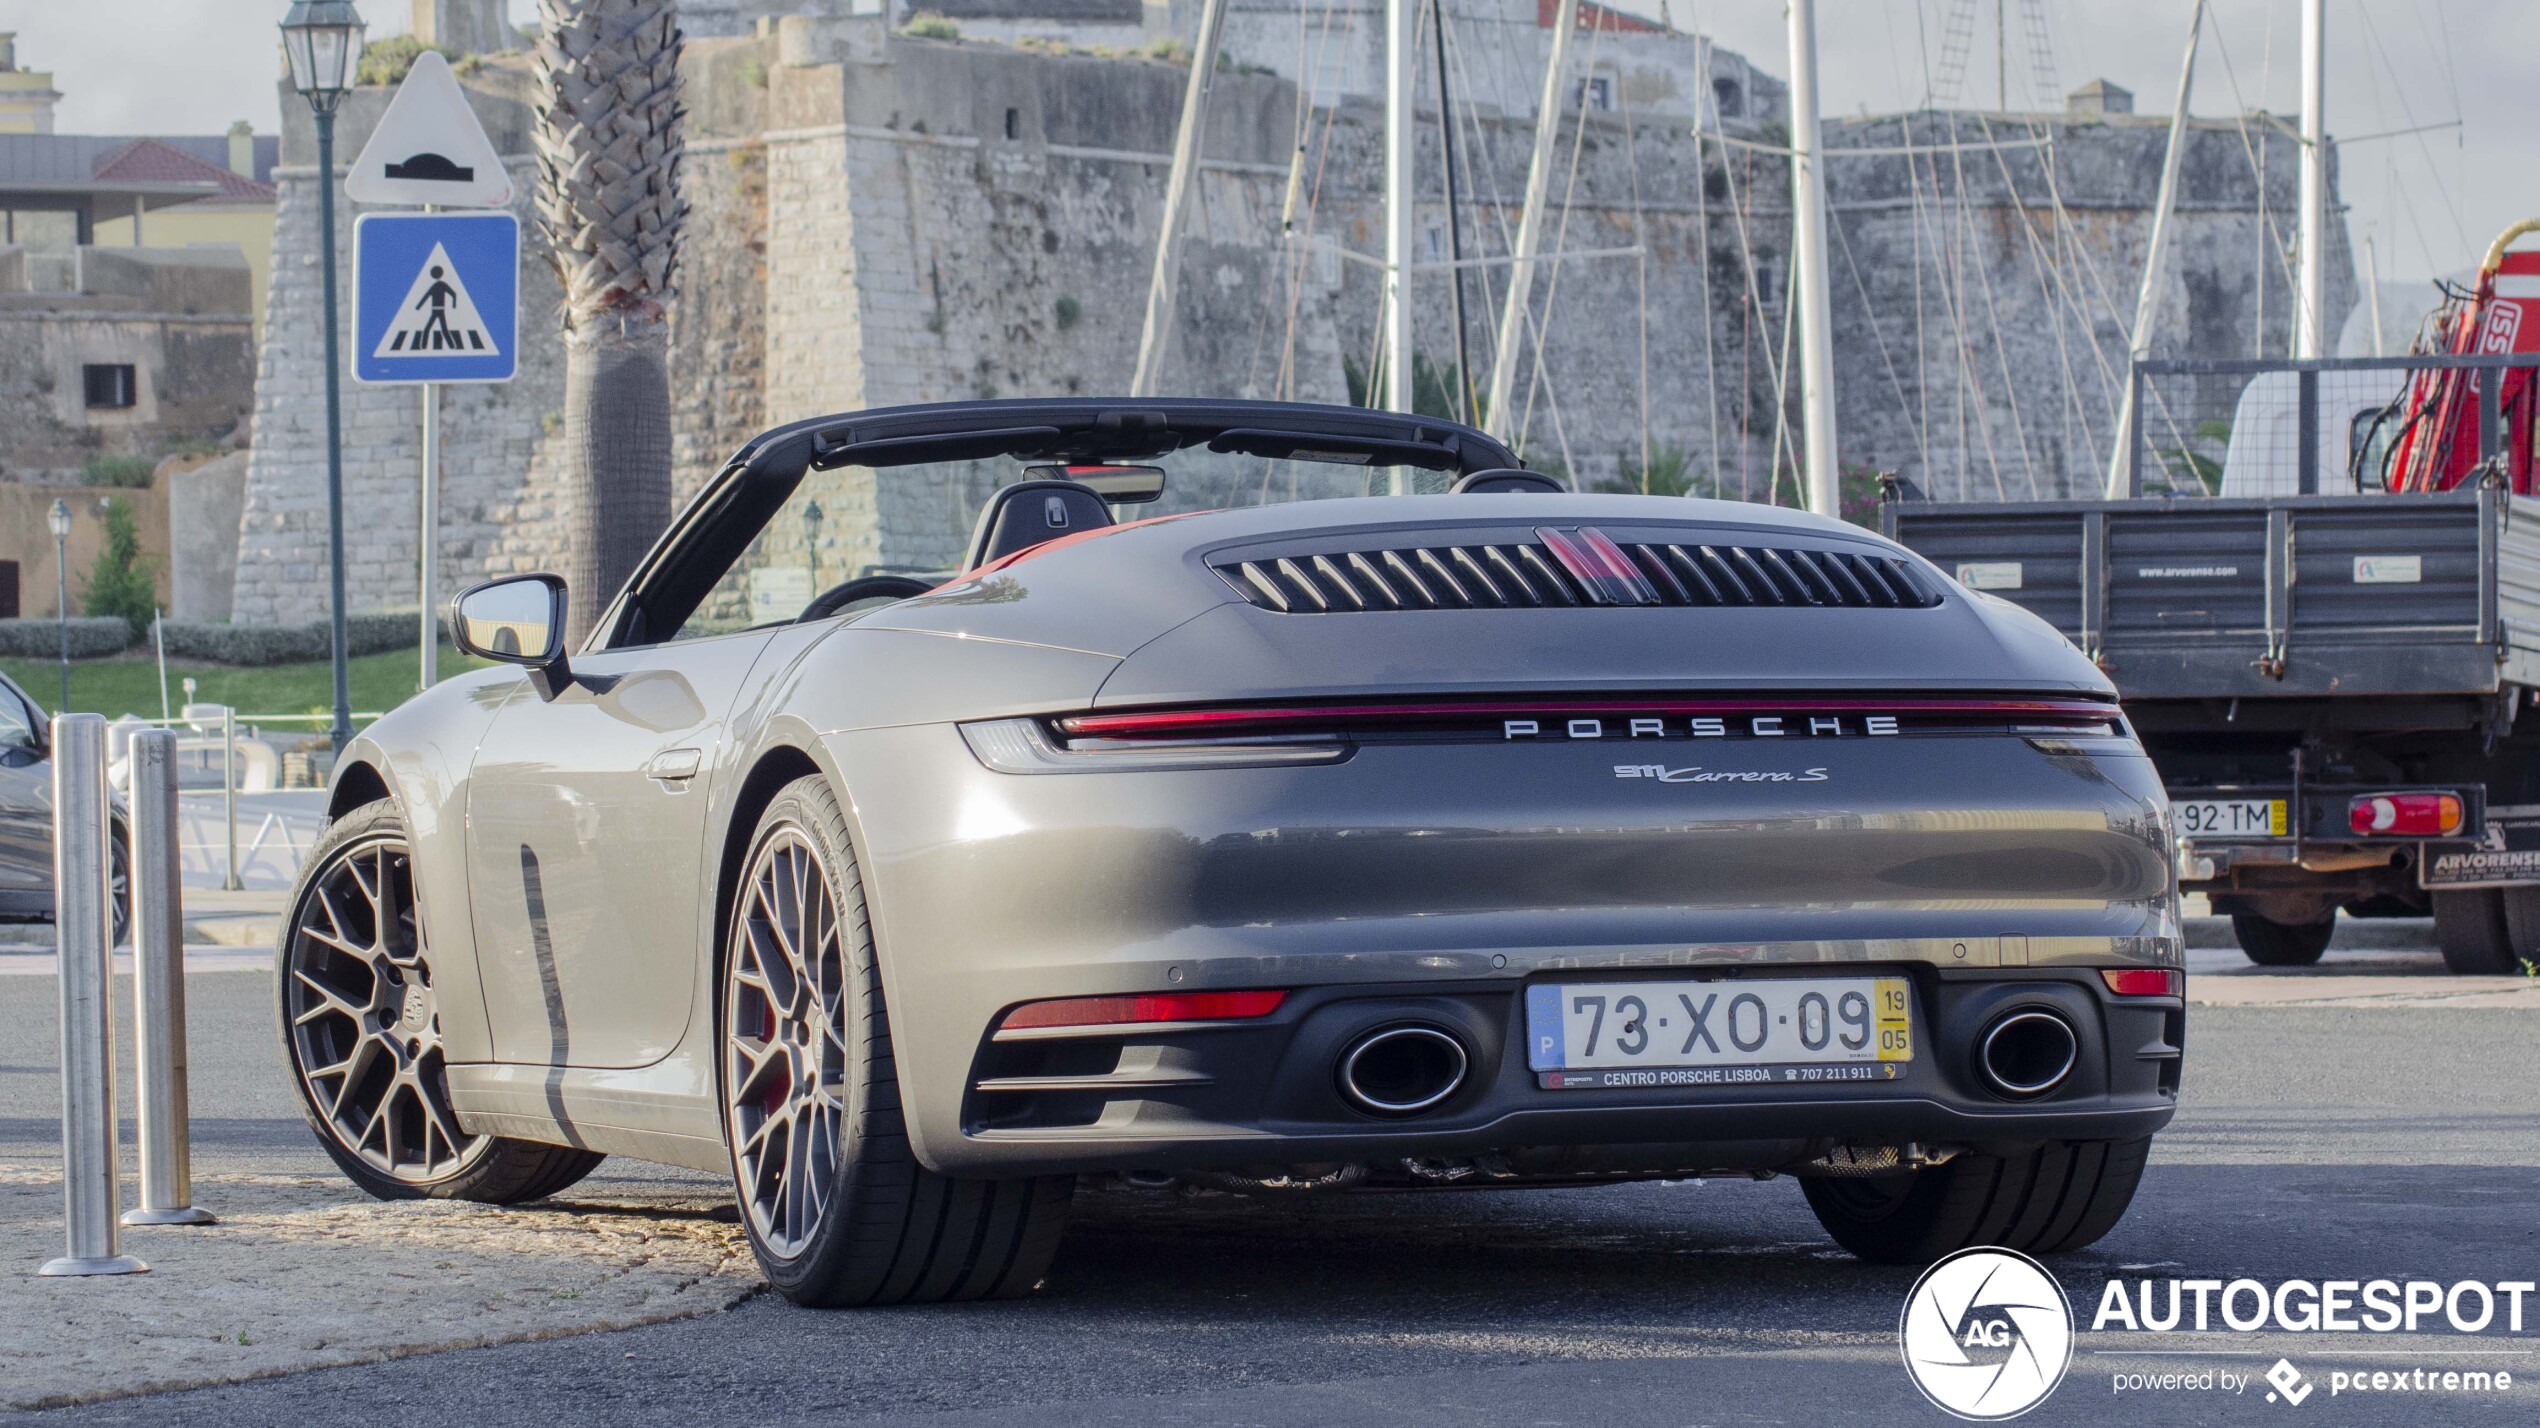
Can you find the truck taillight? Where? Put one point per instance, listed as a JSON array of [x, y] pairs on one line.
[[2405, 815]]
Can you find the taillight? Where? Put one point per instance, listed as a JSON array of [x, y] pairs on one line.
[[1160, 1006], [2143, 981], [2405, 815]]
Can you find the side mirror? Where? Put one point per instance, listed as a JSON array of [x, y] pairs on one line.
[[518, 619]]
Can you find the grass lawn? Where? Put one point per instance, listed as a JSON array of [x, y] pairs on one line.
[[129, 684]]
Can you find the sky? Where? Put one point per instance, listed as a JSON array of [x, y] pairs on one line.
[[2428, 201]]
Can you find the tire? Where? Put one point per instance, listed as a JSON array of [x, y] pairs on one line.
[[837, 1209], [2053, 1199], [362, 1032], [2522, 927], [2282, 944], [2474, 928]]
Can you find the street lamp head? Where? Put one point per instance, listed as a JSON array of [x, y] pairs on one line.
[[323, 41], [59, 520]]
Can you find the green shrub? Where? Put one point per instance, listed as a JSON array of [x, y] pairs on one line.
[[260, 645], [40, 637], [120, 583], [128, 472], [931, 25], [1069, 312], [386, 61]]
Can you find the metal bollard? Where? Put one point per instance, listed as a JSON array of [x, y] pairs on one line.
[[84, 923], [158, 988]]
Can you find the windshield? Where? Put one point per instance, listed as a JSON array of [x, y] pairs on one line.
[[855, 521]]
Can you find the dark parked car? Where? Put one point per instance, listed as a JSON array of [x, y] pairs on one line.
[[26, 815]]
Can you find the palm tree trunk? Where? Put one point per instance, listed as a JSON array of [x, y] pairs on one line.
[[617, 459], [608, 198]]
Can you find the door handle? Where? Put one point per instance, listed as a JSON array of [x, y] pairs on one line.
[[674, 765]]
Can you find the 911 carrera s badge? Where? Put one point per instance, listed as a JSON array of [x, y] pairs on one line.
[[1696, 773]]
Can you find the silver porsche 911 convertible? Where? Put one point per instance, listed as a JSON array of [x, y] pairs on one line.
[[1484, 835]]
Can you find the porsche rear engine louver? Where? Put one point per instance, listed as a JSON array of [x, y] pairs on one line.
[[1578, 566]]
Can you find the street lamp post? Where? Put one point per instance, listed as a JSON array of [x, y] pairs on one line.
[[812, 515], [59, 518], [323, 40]]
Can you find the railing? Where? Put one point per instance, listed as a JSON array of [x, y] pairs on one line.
[[205, 719], [2335, 426]]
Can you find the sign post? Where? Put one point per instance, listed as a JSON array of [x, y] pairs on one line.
[[430, 149]]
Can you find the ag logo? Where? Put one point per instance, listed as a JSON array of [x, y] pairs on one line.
[[1986, 1334]]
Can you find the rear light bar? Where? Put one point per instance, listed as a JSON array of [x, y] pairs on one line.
[[2405, 815], [2143, 981], [1203, 723], [1159, 1006]]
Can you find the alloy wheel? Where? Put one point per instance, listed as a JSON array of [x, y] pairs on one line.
[[785, 1042], [364, 1024]]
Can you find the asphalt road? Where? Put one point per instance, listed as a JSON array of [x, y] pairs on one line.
[[2338, 1142]]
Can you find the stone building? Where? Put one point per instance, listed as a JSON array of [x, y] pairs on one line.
[[880, 219]]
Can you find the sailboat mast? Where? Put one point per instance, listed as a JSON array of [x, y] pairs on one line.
[[2147, 297], [1808, 270], [1500, 421], [1156, 333], [1401, 53], [2311, 275]]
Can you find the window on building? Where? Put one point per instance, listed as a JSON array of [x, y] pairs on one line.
[[110, 386], [1596, 93], [1732, 99]]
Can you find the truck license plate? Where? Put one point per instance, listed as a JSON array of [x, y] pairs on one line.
[[1723, 1033], [2230, 817]]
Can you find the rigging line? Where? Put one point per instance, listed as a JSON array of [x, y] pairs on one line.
[[1878, 334], [1491, 202], [2001, 349], [1539, 318], [1640, 239], [2082, 317], [1702, 260], [2089, 264], [1286, 383], [1289, 272], [1781, 403], [2268, 234], [1917, 417], [1922, 332], [2049, 281], [1464, 395], [1738, 201], [2381, 52], [2395, 188], [1963, 238]]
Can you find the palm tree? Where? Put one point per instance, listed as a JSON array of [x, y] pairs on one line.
[[608, 198]]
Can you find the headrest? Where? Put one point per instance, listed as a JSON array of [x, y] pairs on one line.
[[1027, 513], [1503, 479]]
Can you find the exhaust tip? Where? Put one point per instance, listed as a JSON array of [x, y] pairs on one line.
[[2028, 1053], [1402, 1070]]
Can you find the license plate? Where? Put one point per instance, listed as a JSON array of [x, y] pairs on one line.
[[1741, 1032], [2230, 817]]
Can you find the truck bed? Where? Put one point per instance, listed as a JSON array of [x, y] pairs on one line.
[[2277, 597]]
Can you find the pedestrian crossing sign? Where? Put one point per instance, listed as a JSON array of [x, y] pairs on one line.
[[436, 297]]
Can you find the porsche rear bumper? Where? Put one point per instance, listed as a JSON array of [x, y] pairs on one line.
[[1431, 885]]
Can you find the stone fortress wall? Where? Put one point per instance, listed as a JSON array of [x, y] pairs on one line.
[[878, 219]]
